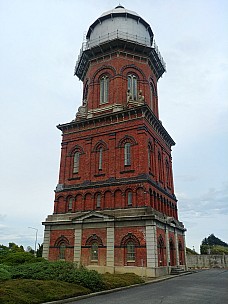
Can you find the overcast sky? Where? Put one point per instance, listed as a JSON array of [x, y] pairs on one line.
[[39, 44]]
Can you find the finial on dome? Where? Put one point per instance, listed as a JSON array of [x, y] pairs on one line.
[[119, 6]]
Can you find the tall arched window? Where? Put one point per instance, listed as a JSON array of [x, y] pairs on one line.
[[172, 252], [167, 169], [132, 85], [62, 251], [104, 88], [70, 204], [127, 154], [129, 198], [98, 200], [130, 251], [150, 160], [161, 251], [159, 167], [152, 96], [100, 158], [85, 91], [76, 162], [181, 253], [94, 251]]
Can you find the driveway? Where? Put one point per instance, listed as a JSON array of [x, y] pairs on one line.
[[203, 287]]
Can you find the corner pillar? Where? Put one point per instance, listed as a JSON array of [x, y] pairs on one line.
[[46, 242], [77, 244], [177, 248], [151, 245], [110, 245], [167, 246]]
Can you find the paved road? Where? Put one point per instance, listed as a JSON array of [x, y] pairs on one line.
[[204, 287]]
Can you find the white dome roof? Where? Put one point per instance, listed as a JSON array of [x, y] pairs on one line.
[[119, 9], [119, 23]]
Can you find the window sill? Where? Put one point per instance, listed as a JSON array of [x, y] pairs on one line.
[[127, 171], [99, 174], [74, 178]]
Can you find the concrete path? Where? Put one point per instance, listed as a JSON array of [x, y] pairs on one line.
[[203, 287]]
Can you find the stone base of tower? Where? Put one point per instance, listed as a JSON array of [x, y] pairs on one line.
[[137, 240]]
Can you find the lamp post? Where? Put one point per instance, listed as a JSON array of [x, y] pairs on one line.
[[35, 238]]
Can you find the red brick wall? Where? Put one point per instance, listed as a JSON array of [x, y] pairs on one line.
[[120, 253], [54, 250], [86, 250], [162, 257], [117, 67]]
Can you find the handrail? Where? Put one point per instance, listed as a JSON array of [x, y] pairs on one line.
[[88, 44]]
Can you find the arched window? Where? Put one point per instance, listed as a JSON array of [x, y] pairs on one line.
[[94, 251], [98, 200], [70, 204], [181, 253], [132, 85], [150, 159], [167, 169], [161, 251], [127, 154], [152, 96], [130, 251], [159, 167], [104, 88], [62, 251], [76, 162], [172, 252], [85, 91], [100, 158], [130, 243], [129, 198]]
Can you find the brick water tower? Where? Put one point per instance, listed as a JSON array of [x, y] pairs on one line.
[[115, 209]]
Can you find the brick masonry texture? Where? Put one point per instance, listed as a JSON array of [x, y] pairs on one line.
[[98, 189]]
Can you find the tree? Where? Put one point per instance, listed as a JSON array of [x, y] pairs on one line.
[[15, 248], [213, 245], [190, 251], [39, 250]]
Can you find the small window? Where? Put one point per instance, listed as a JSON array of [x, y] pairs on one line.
[[100, 158], [132, 86], [127, 154], [167, 171], [130, 251], [62, 251], [149, 156], [152, 96], [94, 252], [98, 200], [70, 204], [129, 198], [160, 166], [76, 162], [104, 88]]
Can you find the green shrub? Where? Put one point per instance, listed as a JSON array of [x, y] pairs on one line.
[[59, 271], [5, 272], [15, 258], [120, 280], [34, 292]]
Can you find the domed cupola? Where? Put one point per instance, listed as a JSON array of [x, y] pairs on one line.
[[119, 29], [119, 23]]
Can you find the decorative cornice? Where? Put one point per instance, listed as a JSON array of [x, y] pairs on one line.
[[120, 45], [142, 178], [139, 112]]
